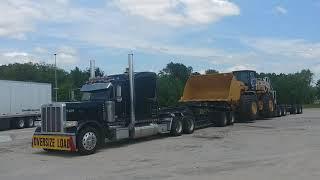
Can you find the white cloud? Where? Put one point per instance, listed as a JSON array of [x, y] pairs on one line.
[[16, 57], [280, 10], [67, 56], [292, 48], [179, 12], [14, 54], [18, 17]]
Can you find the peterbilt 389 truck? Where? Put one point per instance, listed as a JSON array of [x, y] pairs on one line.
[[125, 106], [113, 108]]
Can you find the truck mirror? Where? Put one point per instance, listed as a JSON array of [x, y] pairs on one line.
[[118, 94]]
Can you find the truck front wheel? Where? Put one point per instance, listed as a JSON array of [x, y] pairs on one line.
[[87, 141]]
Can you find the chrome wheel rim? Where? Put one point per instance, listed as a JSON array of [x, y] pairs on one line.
[[89, 141], [21, 123]]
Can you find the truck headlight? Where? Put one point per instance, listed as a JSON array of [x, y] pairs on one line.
[[37, 123], [68, 124]]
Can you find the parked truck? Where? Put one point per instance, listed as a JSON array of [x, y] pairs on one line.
[[125, 106], [20, 103], [112, 108]]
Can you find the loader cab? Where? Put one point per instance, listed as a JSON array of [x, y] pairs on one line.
[[249, 78]]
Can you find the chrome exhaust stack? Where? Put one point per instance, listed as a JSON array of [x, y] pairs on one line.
[[132, 94], [92, 69]]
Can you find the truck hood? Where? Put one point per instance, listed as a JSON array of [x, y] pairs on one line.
[[84, 111]]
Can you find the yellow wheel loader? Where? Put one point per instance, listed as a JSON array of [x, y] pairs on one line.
[[221, 98]]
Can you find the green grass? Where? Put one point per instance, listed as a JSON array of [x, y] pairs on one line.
[[311, 106]]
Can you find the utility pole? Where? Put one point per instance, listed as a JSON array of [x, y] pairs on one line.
[[55, 76]]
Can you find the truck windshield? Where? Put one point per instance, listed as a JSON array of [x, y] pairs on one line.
[[100, 95]]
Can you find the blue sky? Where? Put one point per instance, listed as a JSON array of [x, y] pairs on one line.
[[267, 36]]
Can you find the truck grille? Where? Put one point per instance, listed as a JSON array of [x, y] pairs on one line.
[[53, 117]]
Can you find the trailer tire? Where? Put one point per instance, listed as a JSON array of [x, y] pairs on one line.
[[299, 107], [87, 141], [231, 118], [188, 125], [293, 109], [20, 123], [222, 119], [176, 127], [278, 112], [248, 108], [283, 111]]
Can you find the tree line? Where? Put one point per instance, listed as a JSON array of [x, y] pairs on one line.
[[291, 88]]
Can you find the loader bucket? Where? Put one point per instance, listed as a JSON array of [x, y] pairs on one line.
[[215, 87]]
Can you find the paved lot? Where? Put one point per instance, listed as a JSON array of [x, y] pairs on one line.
[[281, 148]]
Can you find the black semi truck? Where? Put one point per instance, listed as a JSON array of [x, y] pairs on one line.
[[113, 108]]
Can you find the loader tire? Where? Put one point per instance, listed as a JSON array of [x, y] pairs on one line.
[[248, 108], [268, 106]]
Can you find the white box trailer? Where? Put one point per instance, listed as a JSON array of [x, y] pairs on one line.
[[20, 102]]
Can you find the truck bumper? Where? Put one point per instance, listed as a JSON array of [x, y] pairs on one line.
[[54, 141]]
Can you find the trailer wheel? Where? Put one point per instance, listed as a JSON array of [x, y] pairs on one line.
[[20, 123], [231, 118], [30, 122], [87, 141], [176, 127], [222, 119], [293, 109], [188, 125], [278, 111], [301, 109], [283, 111], [248, 108]]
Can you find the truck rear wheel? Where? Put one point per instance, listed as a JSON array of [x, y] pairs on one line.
[[222, 119], [30, 122], [176, 127], [20, 123], [87, 141], [248, 108], [188, 125]]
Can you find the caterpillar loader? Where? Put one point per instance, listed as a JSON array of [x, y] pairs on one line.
[[222, 98]]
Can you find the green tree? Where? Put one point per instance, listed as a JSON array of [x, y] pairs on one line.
[[211, 71], [178, 71]]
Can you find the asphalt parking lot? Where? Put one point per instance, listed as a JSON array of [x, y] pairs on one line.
[[280, 148]]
